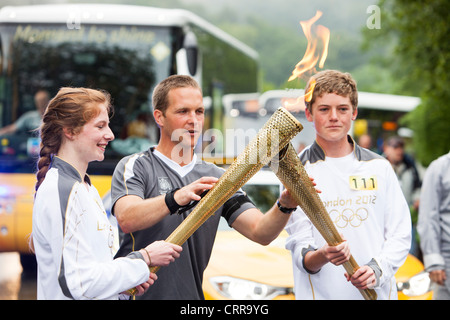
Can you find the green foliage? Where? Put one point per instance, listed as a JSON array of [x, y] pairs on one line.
[[280, 49], [420, 32]]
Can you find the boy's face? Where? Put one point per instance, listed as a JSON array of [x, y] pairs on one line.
[[332, 116]]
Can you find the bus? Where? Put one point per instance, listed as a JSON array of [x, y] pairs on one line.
[[291, 99], [246, 113], [123, 49], [378, 114]]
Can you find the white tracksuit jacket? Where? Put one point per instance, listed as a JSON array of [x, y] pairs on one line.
[[363, 197], [74, 241]]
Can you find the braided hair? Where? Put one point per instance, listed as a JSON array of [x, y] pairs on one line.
[[70, 109]]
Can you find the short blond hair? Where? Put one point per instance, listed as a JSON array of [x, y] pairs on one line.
[[332, 81]]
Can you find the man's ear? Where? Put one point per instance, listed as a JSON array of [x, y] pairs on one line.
[[158, 115]]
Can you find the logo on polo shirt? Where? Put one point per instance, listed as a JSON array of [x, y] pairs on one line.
[[164, 185]]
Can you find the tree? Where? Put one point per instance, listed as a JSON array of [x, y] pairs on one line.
[[420, 31]]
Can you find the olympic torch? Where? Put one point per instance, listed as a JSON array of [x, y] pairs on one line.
[[281, 127], [294, 177]]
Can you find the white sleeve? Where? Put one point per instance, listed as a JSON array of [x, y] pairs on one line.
[[397, 229], [429, 224], [82, 274], [300, 230]]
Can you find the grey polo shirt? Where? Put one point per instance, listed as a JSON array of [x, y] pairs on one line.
[[149, 174]]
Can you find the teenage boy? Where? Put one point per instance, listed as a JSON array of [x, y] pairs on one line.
[[362, 195]]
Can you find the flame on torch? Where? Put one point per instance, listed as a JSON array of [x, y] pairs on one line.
[[310, 59], [311, 56]]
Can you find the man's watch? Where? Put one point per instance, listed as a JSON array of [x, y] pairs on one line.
[[284, 209]]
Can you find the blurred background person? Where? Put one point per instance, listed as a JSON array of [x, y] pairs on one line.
[[365, 141], [406, 170], [434, 225], [30, 120]]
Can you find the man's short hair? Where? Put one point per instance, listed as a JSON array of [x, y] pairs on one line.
[[332, 81], [395, 142], [160, 98]]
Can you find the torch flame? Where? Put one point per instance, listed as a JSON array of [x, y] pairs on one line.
[[298, 105], [310, 58], [309, 93], [324, 34]]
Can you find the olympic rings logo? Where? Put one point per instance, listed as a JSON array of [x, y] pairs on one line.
[[349, 217]]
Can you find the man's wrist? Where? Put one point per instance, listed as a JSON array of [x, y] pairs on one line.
[[170, 201], [284, 209]]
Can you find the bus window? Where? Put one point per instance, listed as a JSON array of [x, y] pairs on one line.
[[122, 60]]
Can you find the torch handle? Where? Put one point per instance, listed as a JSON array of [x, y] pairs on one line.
[[133, 291], [351, 266]]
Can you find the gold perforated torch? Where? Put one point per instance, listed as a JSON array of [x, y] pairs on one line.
[[281, 127], [294, 177]]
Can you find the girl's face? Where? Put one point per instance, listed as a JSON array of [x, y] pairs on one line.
[[95, 135]]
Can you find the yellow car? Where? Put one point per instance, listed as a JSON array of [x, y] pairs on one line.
[[240, 269], [413, 283]]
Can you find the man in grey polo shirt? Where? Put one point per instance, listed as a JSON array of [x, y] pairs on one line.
[[150, 187]]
